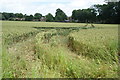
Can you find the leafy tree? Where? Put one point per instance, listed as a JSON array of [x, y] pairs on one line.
[[60, 15], [84, 15], [0, 16], [117, 12], [75, 14], [12, 15], [19, 15], [37, 16], [108, 13], [29, 18], [3, 18], [6, 15], [49, 17]]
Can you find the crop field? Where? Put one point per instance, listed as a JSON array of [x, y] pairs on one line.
[[78, 52]]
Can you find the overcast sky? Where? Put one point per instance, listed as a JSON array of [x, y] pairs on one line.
[[45, 6]]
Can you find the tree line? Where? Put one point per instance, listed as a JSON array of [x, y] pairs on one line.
[[106, 13], [60, 16]]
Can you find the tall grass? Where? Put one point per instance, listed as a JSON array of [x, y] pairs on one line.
[[57, 58], [7, 70], [49, 55], [0, 49], [97, 43]]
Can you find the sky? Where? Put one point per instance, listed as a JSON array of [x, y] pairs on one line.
[[45, 6]]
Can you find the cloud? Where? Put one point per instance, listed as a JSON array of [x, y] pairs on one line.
[[45, 6]]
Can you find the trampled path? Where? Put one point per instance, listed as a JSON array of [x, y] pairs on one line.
[[24, 52]]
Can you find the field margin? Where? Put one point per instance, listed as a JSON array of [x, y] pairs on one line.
[[0, 48], [119, 50]]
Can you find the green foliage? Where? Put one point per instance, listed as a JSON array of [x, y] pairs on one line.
[[19, 15], [29, 18], [49, 18], [108, 13], [60, 15], [6, 15], [84, 15], [37, 16]]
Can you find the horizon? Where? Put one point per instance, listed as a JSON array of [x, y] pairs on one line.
[[44, 6]]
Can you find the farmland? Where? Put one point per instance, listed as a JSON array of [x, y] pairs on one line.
[[31, 52]]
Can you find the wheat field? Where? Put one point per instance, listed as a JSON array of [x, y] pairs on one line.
[[82, 52]]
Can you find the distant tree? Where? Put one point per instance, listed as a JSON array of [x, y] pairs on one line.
[[24, 15], [12, 15], [60, 15], [75, 14], [118, 12], [19, 15], [89, 15], [0, 16], [37, 16], [29, 18], [108, 13], [84, 15], [49, 17], [6, 15]]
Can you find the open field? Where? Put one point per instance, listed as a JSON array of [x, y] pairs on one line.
[[59, 53]]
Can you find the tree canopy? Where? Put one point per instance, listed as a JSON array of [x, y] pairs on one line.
[[29, 18], [60, 15], [106, 13], [84, 15], [37, 16], [49, 17]]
